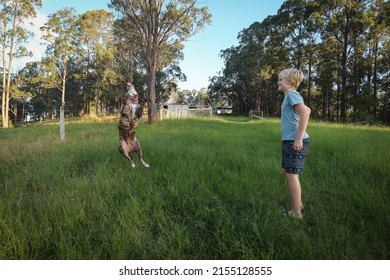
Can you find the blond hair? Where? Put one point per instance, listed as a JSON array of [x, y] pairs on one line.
[[293, 76]]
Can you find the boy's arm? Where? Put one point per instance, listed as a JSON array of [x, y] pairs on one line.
[[304, 114]]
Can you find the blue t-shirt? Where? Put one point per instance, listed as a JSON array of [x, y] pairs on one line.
[[290, 117]]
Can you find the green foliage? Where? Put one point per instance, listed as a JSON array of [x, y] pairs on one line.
[[214, 191]]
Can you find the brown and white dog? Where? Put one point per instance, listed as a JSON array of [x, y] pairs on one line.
[[127, 126]]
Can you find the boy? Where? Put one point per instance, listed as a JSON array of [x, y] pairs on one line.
[[295, 140]]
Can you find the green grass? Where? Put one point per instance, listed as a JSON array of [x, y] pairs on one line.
[[214, 191]]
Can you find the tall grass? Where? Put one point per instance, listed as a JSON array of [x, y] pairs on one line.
[[214, 191]]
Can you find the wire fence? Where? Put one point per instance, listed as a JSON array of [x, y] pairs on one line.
[[186, 113]]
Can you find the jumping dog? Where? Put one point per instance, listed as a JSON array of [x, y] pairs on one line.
[[128, 123]]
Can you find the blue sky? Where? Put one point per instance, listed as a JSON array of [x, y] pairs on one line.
[[201, 52]]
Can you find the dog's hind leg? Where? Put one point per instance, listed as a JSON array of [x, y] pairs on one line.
[[138, 150], [144, 163], [126, 153], [132, 163]]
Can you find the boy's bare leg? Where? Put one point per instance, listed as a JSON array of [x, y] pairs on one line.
[[295, 191]]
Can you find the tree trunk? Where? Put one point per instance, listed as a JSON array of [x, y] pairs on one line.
[[343, 105], [23, 110], [62, 109], [3, 102], [97, 103], [7, 90], [344, 68], [15, 112], [309, 79], [375, 74], [10, 56], [151, 73], [62, 124], [152, 106]]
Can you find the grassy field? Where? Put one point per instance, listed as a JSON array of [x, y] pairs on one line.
[[214, 191]]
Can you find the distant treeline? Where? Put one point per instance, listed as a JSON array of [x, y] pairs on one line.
[[343, 47]]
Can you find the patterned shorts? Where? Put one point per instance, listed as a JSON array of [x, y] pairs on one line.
[[294, 161]]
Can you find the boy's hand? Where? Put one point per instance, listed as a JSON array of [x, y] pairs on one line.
[[298, 145]]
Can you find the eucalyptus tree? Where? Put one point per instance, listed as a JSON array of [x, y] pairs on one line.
[[13, 14], [21, 93], [300, 37], [96, 54], [377, 58], [218, 91], [240, 69], [222, 89], [343, 23], [126, 50], [166, 83], [250, 68], [59, 32], [255, 67], [168, 72], [154, 25], [30, 82]]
